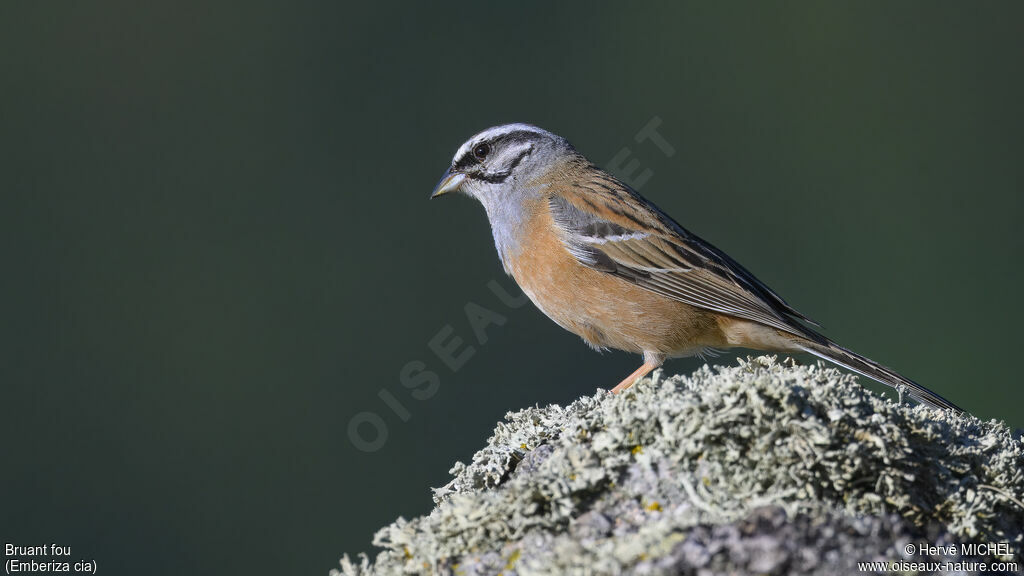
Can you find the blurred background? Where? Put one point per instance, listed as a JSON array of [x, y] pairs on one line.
[[219, 257]]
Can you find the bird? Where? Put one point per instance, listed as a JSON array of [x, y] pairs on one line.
[[606, 264]]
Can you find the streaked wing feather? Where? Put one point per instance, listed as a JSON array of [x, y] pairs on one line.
[[666, 259]]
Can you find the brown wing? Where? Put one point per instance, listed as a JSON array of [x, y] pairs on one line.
[[633, 239]]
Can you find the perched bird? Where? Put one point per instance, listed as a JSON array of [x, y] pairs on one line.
[[606, 264]]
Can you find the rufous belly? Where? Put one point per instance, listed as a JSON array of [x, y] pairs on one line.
[[605, 310]]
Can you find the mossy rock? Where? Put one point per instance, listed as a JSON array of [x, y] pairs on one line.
[[764, 467]]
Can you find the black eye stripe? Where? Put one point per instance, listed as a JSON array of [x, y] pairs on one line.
[[498, 177], [515, 137], [464, 162]]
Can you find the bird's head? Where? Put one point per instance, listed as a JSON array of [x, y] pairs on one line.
[[500, 159]]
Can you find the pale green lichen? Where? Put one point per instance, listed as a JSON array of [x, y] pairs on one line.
[[761, 467]]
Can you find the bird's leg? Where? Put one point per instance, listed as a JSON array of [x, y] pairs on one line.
[[632, 378]]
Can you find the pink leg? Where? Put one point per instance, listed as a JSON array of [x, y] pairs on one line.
[[632, 378]]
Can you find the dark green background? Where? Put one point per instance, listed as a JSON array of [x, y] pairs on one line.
[[217, 245]]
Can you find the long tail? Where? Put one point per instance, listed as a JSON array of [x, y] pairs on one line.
[[848, 359]]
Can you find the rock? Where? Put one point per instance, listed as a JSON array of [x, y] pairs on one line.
[[761, 468]]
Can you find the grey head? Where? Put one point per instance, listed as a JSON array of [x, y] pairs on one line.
[[510, 154], [503, 167]]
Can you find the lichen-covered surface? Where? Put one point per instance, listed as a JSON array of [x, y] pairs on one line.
[[758, 468]]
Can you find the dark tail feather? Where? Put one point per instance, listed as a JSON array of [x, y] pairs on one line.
[[848, 359]]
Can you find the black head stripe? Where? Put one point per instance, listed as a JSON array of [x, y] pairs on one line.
[[464, 162], [496, 177], [517, 136], [514, 137]]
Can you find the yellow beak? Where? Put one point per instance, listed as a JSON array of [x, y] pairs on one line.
[[449, 183]]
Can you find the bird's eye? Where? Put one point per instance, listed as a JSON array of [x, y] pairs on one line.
[[482, 150]]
